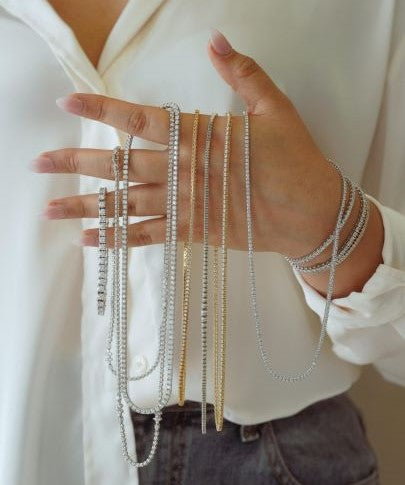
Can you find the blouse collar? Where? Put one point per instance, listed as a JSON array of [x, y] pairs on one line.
[[42, 18]]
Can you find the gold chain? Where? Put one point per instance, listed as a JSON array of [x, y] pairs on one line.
[[220, 357], [187, 257]]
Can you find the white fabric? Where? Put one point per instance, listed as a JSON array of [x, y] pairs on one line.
[[343, 65]]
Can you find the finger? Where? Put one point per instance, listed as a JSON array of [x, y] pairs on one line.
[[243, 74], [147, 122], [143, 200], [144, 233], [145, 166]]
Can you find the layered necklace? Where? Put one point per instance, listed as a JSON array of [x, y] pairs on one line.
[[117, 334], [118, 319]]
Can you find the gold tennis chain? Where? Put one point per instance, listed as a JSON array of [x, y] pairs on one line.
[[187, 257]]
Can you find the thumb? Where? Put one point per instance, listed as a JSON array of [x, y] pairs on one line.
[[243, 74]]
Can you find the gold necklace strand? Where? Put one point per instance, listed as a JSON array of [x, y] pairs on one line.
[[221, 358], [187, 257]]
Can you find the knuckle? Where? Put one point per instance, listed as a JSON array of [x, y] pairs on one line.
[[72, 161], [108, 168], [141, 238], [137, 122], [246, 67], [81, 209], [99, 110], [132, 205], [74, 208]]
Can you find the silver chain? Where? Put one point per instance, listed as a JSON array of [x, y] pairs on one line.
[[115, 287], [120, 311], [252, 277], [204, 286], [118, 321], [350, 243], [102, 253]]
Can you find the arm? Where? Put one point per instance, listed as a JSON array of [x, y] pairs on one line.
[[295, 198], [358, 268]]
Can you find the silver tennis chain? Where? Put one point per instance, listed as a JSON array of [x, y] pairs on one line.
[[115, 286], [166, 332], [204, 286], [252, 276], [120, 313], [102, 253]]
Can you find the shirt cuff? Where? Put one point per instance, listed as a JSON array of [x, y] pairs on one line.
[[369, 325]]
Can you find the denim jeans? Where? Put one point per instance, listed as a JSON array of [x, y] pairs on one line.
[[323, 444]]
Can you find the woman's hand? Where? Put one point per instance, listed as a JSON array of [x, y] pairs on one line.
[[295, 191]]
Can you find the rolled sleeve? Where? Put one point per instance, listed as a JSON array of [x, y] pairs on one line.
[[369, 326]]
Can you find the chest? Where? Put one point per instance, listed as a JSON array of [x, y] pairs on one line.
[[91, 22]]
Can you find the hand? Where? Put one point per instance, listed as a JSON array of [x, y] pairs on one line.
[[295, 191]]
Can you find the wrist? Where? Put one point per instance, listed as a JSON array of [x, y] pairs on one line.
[[362, 263], [311, 215]]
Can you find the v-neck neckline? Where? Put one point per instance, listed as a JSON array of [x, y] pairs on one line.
[[43, 18], [131, 20], [115, 27]]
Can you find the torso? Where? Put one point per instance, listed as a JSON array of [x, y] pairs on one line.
[[91, 22]]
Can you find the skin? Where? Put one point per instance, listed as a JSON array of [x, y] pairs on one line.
[[295, 190], [91, 25]]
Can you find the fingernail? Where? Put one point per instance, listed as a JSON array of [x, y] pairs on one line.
[[219, 43], [42, 164], [55, 211], [71, 104]]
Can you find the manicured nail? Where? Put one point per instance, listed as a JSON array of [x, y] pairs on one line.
[[219, 43], [42, 164], [71, 104], [54, 211]]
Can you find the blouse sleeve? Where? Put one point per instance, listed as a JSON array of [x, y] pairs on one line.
[[368, 327]]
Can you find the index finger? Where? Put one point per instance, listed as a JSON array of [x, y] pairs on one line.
[[147, 122]]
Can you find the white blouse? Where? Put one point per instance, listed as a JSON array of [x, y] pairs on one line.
[[342, 63]]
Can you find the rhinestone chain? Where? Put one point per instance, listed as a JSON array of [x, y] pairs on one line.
[[120, 307], [114, 311], [204, 284], [168, 294], [102, 253], [220, 357], [120, 310], [115, 287], [350, 243], [252, 277]]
